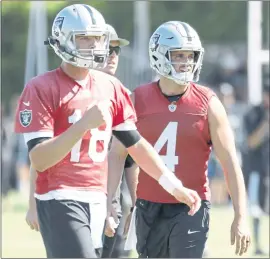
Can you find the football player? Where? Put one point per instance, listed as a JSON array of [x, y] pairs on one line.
[[183, 121], [112, 246], [67, 116], [39, 183]]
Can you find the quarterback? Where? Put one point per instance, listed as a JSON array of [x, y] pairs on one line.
[[183, 121]]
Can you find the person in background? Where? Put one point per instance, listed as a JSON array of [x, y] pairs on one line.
[[235, 110], [256, 163], [15, 158], [113, 246]]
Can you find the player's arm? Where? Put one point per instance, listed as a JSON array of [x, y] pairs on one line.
[[33, 179], [131, 139], [140, 150], [223, 143], [116, 161], [132, 172], [46, 152], [56, 148], [148, 159], [31, 215]]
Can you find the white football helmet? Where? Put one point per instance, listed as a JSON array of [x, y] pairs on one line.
[[80, 20], [171, 36]]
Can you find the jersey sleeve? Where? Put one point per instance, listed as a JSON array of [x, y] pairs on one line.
[[124, 115], [34, 114]]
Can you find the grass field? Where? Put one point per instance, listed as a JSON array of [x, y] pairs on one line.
[[18, 241]]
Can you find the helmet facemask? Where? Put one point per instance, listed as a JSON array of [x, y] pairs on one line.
[[180, 68], [87, 49]]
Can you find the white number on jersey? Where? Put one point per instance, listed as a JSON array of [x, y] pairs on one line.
[[96, 135], [168, 135]]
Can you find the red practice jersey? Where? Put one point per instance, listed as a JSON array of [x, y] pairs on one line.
[[180, 134], [51, 103]]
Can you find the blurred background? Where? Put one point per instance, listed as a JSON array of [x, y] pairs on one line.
[[235, 36]]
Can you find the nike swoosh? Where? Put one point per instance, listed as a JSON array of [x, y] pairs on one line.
[[191, 232], [26, 104], [189, 246]]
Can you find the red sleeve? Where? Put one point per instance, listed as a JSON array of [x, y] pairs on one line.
[[124, 117], [34, 112]]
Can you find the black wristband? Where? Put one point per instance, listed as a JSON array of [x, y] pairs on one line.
[[127, 138], [131, 209], [33, 142]]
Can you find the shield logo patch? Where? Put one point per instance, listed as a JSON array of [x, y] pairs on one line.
[[172, 107], [25, 117]]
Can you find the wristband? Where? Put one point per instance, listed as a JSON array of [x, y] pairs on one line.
[[131, 209], [169, 182]]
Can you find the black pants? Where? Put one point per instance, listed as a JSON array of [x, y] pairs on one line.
[[167, 231], [65, 228]]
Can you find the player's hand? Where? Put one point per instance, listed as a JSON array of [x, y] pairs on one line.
[[96, 114], [127, 225], [240, 236], [110, 226], [189, 197], [32, 218], [111, 223]]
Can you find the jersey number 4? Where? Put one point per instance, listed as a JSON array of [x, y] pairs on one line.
[[96, 135], [168, 136]]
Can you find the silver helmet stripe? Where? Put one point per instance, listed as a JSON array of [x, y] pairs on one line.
[[91, 14], [186, 27]]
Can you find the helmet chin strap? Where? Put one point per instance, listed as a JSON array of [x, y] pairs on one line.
[[187, 79], [181, 81]]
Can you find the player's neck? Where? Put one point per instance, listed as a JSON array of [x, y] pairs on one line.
[[170, 88], [76, 73]]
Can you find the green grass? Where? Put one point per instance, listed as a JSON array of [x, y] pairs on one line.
[[218, 245], [18, 241]]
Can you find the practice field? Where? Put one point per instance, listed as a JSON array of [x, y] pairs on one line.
[[18, 241]]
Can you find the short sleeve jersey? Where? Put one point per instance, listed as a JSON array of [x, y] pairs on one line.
[[52, 102]]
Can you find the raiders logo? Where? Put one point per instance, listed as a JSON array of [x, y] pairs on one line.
[[25, 117], [172, 107], [57, 26], [154, 42]]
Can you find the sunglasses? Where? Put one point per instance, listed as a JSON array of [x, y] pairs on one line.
[[116, 49]]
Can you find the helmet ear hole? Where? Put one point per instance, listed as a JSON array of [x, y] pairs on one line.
[[167, 69], [154, 57], [167, 55]]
